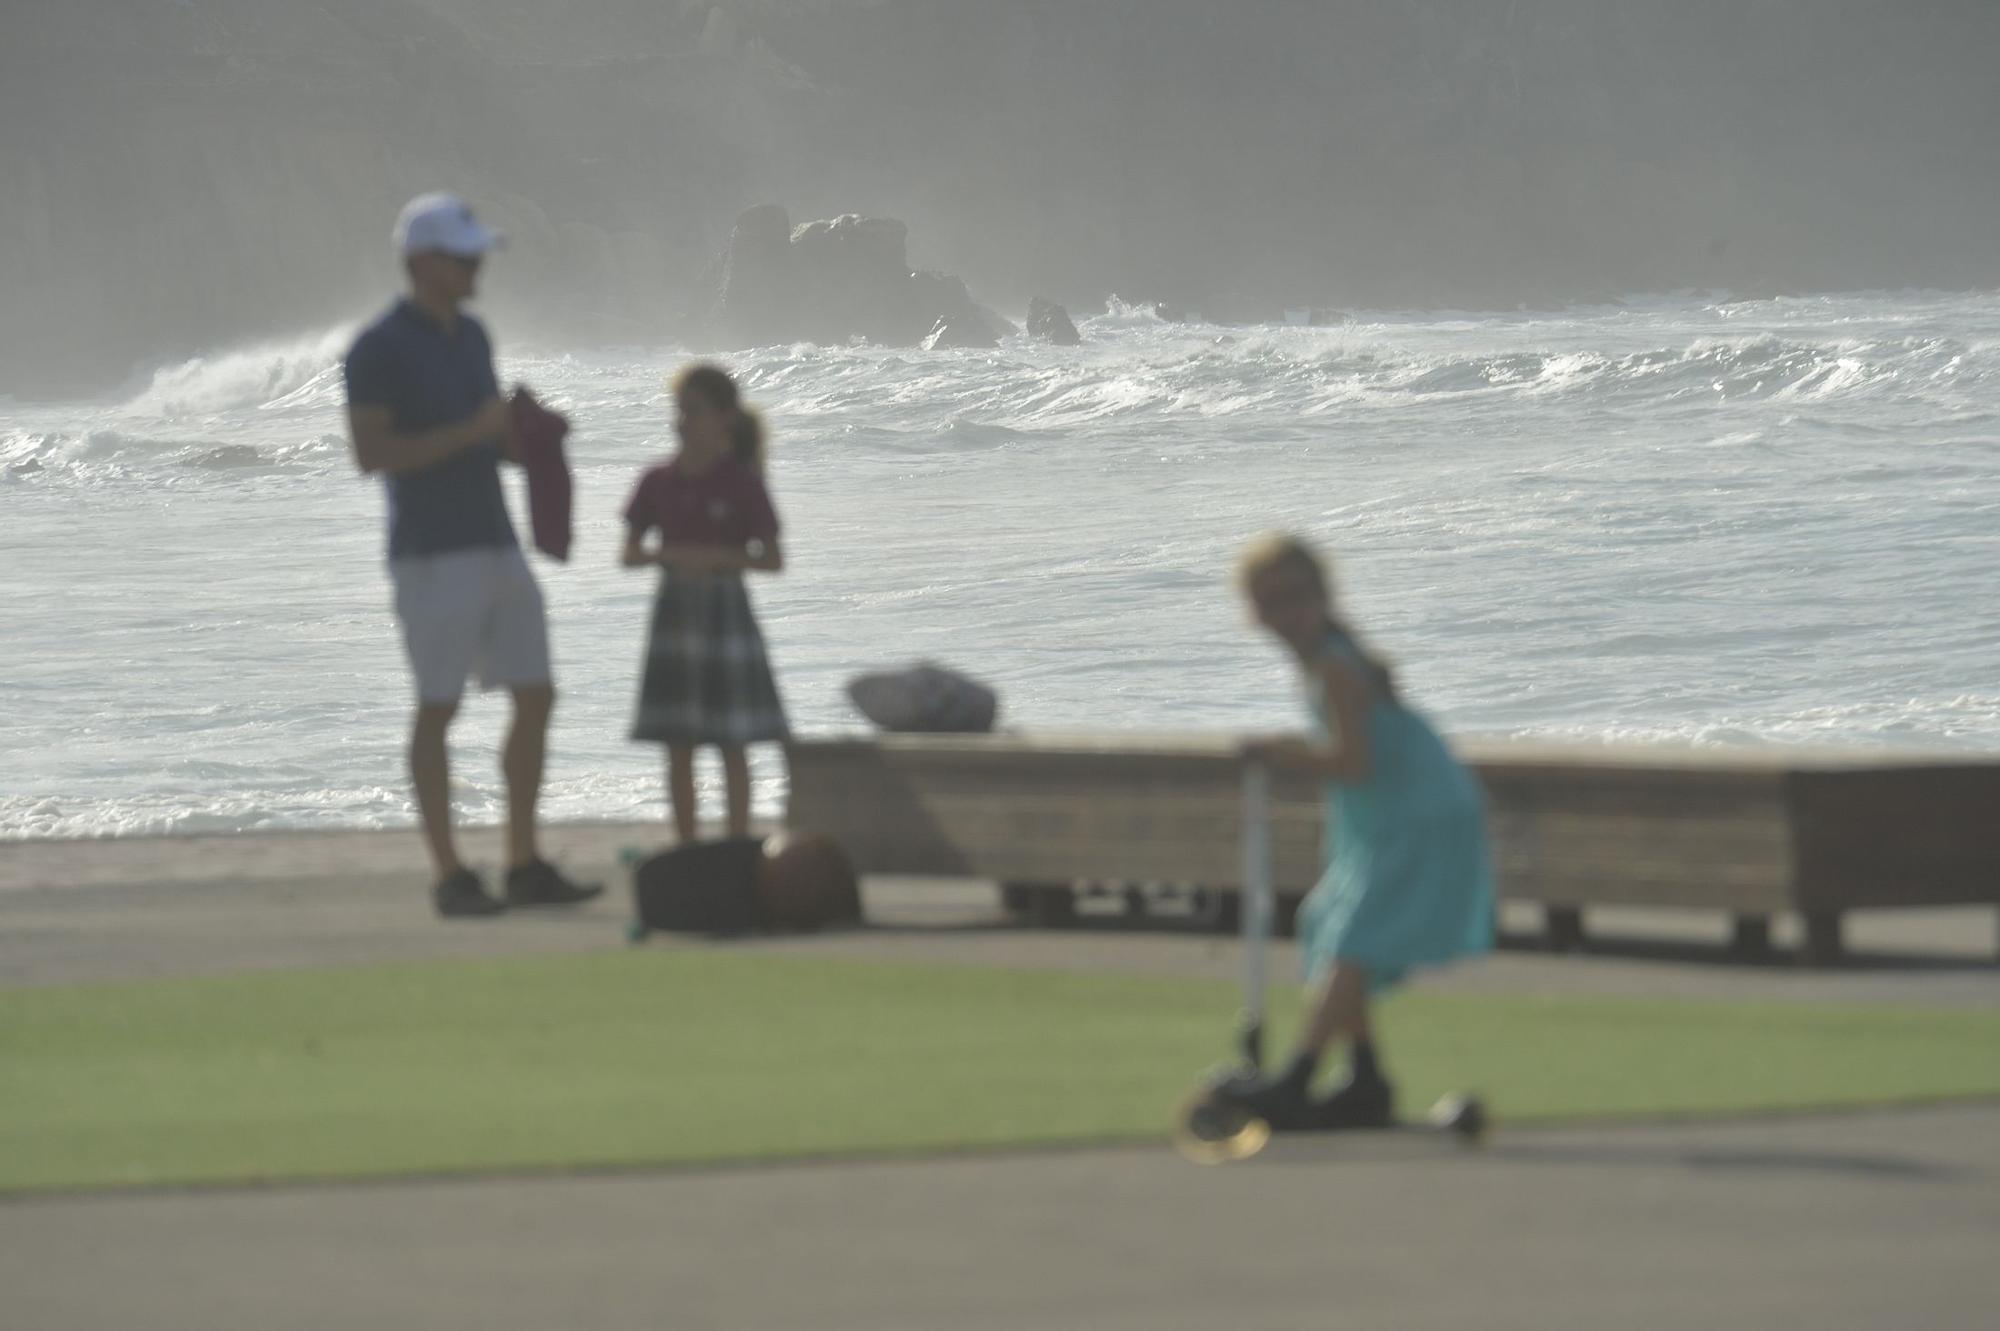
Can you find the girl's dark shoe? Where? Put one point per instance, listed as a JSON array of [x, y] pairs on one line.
[[541, 884]]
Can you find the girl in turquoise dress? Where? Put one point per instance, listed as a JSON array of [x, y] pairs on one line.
[[1407, 882]]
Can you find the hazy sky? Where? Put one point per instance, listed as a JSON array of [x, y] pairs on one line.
[[178, 174]]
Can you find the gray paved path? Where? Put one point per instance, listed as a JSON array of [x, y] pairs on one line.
[[1836, 1223], [110, 910]]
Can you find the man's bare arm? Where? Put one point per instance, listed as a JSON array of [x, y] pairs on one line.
[[380, 446]]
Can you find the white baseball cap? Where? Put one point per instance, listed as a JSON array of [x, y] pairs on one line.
[[443, 222]]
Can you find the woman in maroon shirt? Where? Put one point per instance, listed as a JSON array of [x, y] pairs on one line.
[[707, 678]]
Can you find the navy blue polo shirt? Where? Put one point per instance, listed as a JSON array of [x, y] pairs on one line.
[[427, 377]]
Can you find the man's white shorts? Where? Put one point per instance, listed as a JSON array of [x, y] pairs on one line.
[[471, 612]]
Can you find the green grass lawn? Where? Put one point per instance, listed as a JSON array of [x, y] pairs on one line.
[[663, 1056]]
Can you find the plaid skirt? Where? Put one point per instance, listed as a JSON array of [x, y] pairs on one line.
[[707, 679]]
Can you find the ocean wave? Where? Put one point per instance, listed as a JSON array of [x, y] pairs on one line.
[[1945, 725], [301, 372], [108, 455], [1641, 523], [360, 804], [41, 456], [1119, 314], [281, 403], [25, 818], [1139, 366], [1134, 365], [1714, 369]]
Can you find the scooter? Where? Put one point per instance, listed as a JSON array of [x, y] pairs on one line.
[[1213, 1127]]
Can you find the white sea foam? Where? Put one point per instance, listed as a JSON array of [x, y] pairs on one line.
[[1761, 522]]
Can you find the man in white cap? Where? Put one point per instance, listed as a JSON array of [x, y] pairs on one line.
[[424, 410]]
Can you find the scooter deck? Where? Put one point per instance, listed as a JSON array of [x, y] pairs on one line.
[[1212, 1131]]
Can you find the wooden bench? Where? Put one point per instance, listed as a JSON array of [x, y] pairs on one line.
[[1749, 832]]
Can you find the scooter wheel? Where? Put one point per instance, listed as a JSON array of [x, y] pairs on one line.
[[1464, 1116], [1212, 1130]]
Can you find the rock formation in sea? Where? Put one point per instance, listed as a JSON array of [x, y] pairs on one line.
[[1050, 322], [833, 281]]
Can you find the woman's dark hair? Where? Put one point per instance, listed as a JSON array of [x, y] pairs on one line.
[[714, 386]]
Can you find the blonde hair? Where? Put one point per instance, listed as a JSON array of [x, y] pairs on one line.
[[1275, 550], [1281, 550], [715, 386]]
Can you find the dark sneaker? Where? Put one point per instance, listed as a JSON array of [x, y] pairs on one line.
[[1369, 1103], [1282, 1104], [1281, 1100], [540, 884], [462, 894]]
